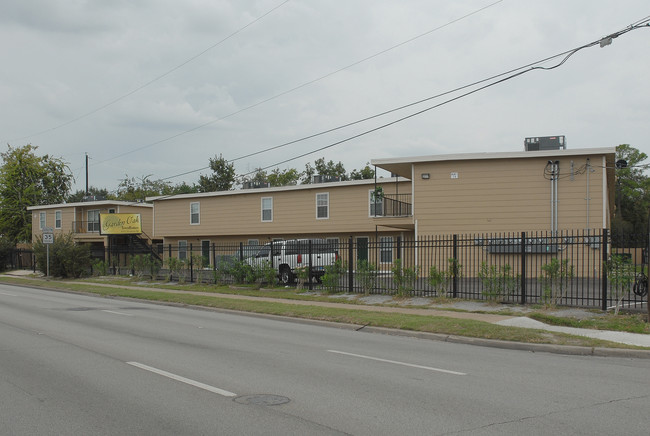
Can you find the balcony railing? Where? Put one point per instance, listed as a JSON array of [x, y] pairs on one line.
[[85, 227], [394, 205]]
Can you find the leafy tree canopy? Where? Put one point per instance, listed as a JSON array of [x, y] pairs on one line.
[[138, 189], [79, 194], [29, 180], [366, 172], [222, 177], [632, 192]]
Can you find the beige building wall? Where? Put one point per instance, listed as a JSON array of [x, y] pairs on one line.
[[74, 218], [237, 215], [478, 195]]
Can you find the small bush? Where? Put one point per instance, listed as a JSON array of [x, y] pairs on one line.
[[366, 276], [332, 276], [498, 281], [100, 267], [145, 264], [554, 279], [67, 259], [403, 278]]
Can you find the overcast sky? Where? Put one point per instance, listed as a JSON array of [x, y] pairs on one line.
[[131, 82]]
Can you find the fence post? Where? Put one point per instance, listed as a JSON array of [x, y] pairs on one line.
[[309, 275], [170, 256], [214, 258], [399, 247], [603, 268], [523, 267], [191, 265], [350, 266], [241, 251], [454, 280]]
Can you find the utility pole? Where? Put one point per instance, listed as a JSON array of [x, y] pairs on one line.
[[87, 193]]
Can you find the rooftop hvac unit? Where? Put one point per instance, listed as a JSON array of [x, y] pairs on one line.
[[318, 178], [545, 143], [255, 185]]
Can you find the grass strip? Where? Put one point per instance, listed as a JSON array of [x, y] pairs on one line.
[[420, 323]]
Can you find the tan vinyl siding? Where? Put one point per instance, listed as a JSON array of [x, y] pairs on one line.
[[505, 195], [294, 212]]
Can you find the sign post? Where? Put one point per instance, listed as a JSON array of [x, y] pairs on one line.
[[48, 239]]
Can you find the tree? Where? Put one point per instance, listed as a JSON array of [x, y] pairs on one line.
[[138, 189], [364, 173], [283, 178], [29, 180], [80, 194], [222, 179], [328, 169], [632, 192]]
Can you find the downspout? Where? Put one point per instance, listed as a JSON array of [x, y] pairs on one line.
[[605, 193], [557, 177], [588, 198]]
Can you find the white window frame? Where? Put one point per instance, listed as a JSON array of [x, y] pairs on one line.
[[182, 252], [267, 209], [111, 210], [373, 203], [42, 220], [58, 219], [383, 250], [326, 205], [94, 228], [196, 213]]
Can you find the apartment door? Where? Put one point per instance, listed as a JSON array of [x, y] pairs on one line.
[[205, 253], [362, 248]]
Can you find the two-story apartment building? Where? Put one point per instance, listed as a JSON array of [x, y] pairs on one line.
[[509, 192], [335, 211], [550, 190], [82, 221]]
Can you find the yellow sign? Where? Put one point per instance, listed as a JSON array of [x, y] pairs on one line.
[[120, 224]]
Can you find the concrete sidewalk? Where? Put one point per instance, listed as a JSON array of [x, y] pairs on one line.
[[373, 304]]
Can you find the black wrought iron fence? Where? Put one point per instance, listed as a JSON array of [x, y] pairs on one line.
[[579, 268]]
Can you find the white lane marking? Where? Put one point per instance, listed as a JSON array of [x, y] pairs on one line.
[[117, 313], [6, 293], [183, 379], [446, 371]]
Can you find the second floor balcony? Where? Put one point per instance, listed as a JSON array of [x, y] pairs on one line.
[[394, 205]]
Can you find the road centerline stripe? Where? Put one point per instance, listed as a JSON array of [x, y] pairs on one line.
[[429, 368], [116, 313], [183, 379]]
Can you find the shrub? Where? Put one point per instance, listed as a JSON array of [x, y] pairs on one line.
[[177, 267], [332, 276], [498, 281], [67, 259], [441, 280], [100, 267], [302, 274], [145, 264], [6, 249], [554, 279], [240, 271], [268, 274], [403, 278], [621, 274], [366, 276]]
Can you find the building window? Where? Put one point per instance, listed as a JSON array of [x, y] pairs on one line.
[[376, 203], [93, 220], [386, 249], [267, 209], [195, 213], [323, 205], [182, 250], [41, 220], [57, 219], [111, 210]]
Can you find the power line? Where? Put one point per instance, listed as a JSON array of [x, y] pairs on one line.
[[139, 88], [517, 72], [310, 82]]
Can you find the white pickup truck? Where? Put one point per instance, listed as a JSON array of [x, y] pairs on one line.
[[288, 255]]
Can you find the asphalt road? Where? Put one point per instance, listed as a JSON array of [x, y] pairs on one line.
[[79, 365]]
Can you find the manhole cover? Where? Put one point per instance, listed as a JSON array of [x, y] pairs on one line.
[[262, 400]]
